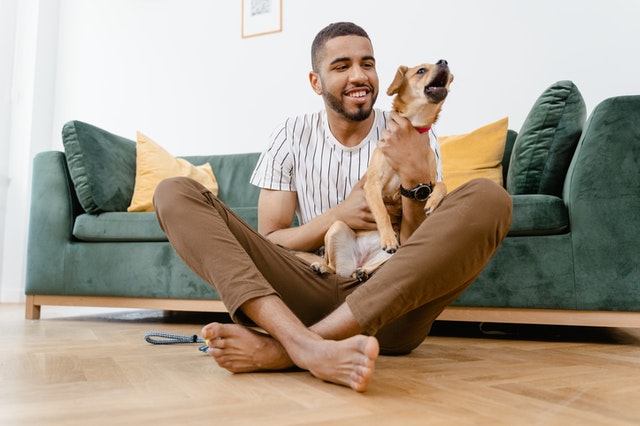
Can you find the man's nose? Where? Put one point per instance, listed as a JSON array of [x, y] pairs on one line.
[[358, 74]]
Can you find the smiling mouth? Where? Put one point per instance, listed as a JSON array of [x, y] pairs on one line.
[[359, 93], [436, 89]]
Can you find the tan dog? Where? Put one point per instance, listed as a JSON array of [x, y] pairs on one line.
[[420, 91]]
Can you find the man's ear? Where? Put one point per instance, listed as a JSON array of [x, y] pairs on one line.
[[316, 85], [397, 80]]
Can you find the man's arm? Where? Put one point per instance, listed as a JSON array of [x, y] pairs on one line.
[[411, 156], [276, 210]]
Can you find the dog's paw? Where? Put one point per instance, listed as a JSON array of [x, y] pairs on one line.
[[390, 246], [390, 249], [361, 275], [389, 240], [319, 268], [432, 203]]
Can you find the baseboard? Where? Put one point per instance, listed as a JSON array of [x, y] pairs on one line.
[[542, 316], [35, 302]]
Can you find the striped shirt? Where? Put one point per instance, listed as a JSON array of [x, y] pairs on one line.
[[305, 157]]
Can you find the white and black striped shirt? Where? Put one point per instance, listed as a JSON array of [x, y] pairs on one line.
[[305, 157]]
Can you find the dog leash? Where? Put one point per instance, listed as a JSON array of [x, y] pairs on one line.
[[160, 338]]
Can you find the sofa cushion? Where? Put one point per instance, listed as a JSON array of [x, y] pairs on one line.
[[102, 166], [545, 144], [506, 157], [136, 226], [118, 226], [538, 214], [474, 155], [155, 164]]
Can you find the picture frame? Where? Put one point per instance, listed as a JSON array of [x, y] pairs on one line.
[[260, 17]]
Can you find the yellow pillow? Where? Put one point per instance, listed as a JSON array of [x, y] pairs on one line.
[[154, 164], [474, 155]]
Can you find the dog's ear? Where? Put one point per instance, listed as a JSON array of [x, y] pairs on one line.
[[397, 80]]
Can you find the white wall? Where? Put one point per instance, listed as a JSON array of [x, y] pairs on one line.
[[29, 65], [8, 12], [180, 72]]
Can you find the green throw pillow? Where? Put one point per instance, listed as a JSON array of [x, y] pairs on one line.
[[545, 144], [102, 167]]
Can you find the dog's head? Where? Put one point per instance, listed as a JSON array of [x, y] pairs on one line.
[[421, 91]]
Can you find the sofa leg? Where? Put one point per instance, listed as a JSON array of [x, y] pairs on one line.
[[32, 311]]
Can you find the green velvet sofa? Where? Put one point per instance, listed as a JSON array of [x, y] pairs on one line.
[[571, 257]]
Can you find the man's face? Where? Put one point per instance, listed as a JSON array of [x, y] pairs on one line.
[[347, 78]]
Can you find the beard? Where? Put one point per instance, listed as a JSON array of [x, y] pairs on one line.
[[360, 114]]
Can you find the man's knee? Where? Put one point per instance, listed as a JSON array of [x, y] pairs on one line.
[[488, 200], [171, 190], [170, 196], [490, 194]]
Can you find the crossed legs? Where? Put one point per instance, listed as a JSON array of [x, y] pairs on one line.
[[307, 324]]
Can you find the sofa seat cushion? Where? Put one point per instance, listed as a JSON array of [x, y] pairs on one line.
[[135, 226], [538, 214], [118, 226]]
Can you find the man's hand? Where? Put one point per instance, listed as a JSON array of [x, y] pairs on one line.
[[277, 209], [408, 152], [354, 210]]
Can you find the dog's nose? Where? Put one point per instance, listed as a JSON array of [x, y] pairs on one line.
[[442, 62]]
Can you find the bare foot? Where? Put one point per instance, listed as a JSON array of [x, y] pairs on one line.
[[242, 350], [348, 362], [239, 349]]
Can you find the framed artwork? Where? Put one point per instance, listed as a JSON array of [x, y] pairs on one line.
[[261, 17]]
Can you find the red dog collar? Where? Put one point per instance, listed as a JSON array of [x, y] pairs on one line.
[[423, 129]]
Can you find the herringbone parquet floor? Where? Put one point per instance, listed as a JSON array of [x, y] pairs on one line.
[[81, 366]]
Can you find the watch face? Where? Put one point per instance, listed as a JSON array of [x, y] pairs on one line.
[[422, 192]]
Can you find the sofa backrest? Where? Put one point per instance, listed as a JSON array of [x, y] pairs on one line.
[[102, 169], [233, 172]]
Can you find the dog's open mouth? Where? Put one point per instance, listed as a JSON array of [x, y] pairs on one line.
[[436, 89]]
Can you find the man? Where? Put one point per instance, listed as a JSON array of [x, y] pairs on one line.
[[334, 327]]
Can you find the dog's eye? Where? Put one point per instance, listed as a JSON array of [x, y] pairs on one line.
[[421, 71]]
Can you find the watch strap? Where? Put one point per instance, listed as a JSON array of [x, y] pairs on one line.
[[411, 193]]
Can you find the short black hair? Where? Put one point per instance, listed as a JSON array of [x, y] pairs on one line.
[[337, 29]]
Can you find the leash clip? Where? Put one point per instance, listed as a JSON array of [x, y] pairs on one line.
[[160, 338]]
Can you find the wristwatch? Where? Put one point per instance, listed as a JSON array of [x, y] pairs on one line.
[[419, 192]]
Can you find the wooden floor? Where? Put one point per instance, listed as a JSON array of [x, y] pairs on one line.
[[84, 366]]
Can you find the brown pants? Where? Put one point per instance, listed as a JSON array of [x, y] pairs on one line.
[[398, 303]]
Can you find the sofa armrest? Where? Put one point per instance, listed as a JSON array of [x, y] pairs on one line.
[[602, 192], [52, 211]]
